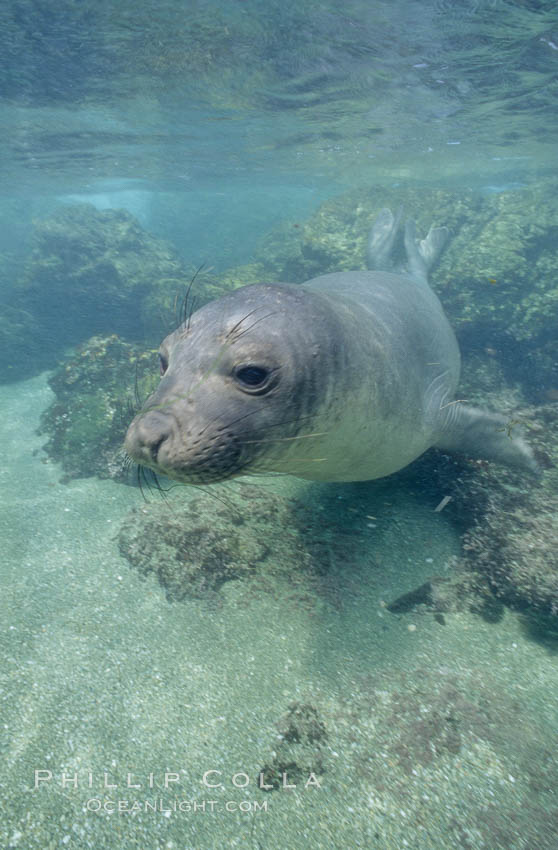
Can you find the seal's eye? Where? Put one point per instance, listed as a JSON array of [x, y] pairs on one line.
[[163, 364], [253, 378]]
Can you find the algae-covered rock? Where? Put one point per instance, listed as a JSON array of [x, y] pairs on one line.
[[500, 268], [95, 400], [512, 538], [537, 369], [173, 300], [256, 538], [190, 555], [90, 270], [244, 276], [507, 521]]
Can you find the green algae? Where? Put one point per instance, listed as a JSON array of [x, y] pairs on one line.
[[89, 271], [95, 396]]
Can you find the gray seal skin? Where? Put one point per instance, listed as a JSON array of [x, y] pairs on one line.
[[348, 377]]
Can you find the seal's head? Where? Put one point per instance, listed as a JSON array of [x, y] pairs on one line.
[[239, 382]]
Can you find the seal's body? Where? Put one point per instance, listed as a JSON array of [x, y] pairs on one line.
[[347, 377]]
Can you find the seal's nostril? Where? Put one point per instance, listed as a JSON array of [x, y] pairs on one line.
[[155, 446], [146, 435]]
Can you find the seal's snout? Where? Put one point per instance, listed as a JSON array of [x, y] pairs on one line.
[[146, 436], [195, 452]]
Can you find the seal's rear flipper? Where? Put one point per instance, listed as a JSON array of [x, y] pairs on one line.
[[477, 433], [422, 255], [431, 247], [382, 237]]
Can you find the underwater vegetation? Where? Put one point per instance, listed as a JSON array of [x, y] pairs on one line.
[[246, 535], [90, 272], [512, 541], [94, 400], [93, 272]]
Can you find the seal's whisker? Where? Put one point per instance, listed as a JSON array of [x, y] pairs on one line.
[[228, 425], [186, 310], [267, 426], [148, 478], [126, 460], [158, 486], [190, 314], [290, 460], [245, 331], [140, 473], [143, 473], [207, 489], [271, 474], [289, 421], [285, 439], [139, 402], [238, 324]]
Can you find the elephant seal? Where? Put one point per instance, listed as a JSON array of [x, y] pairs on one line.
[[348, 377]]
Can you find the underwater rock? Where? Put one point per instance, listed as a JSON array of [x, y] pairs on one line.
[[302, 724], [192, 558], [507, 525], [512, 541], [299, 752], [94, 391], [538, 370], [89, 272], [97, 272], [335, 237], [265, 542]]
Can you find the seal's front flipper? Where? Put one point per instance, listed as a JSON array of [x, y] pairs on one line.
[[382, 237], [477, 433], [422, 255]]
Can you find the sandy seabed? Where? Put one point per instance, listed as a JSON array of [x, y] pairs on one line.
[[150, 723]]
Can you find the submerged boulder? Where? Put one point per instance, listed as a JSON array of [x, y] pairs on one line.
[[512, 539], [246, 535], [90, 270], [95, 400]]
